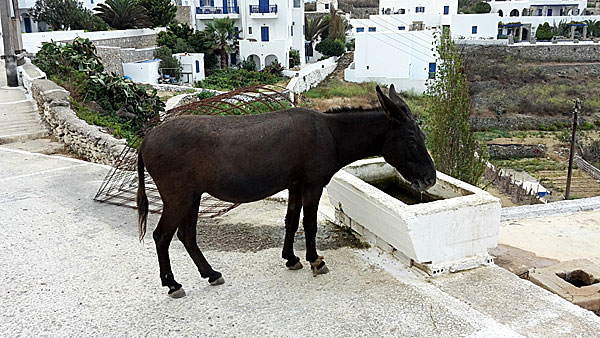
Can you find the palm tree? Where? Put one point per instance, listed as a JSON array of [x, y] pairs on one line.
[[313, 28], [220, 32], [123, 14]]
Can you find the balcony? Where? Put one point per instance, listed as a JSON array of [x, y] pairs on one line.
[[269, 11], [212, 12]]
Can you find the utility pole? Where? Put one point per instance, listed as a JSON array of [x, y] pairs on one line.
[[10, 59], [575, 111]]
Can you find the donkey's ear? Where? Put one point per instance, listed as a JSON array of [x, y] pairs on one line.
[[391, 108], [399, 102]]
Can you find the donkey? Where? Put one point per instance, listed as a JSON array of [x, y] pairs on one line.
[[247, 158]]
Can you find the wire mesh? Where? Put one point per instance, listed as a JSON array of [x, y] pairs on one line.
[[119, 187]]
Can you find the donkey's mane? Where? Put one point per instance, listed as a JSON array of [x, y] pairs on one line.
[[350, 109]]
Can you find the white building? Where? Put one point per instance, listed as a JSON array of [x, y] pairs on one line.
[[268, 29], [324, 6], [397, 46], [142, 71], [29, 26], [192, 67]]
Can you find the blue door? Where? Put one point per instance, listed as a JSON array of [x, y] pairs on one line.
[[27, 22], [264, 33], [263, 6]]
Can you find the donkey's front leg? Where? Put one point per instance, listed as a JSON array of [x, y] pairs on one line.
[[310, 203], [291, 226]]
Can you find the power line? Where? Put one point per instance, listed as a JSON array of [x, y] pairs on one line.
[[404, 51], [392, 25]]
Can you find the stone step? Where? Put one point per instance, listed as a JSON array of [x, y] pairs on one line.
[[22, 136]]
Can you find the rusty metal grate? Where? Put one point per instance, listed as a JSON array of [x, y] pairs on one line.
[[120, 184]]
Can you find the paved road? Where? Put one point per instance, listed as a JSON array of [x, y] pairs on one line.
[[73, 267]]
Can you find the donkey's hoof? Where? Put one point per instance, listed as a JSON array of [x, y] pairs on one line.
[[318, 267], [296, 266], [217, 281], [177, 293]]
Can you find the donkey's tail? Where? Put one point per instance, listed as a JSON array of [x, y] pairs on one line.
[[142, 199]]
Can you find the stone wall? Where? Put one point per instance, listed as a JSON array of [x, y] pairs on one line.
[[113, 57], [507, 151], [582, 52], [90, 142], [137, 41], [310, 76], [519, 122]]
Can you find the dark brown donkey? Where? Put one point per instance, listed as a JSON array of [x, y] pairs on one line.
[[247, 158]]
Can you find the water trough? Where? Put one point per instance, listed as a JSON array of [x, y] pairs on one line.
[[448, 231]]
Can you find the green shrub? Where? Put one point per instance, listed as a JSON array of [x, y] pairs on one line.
[[229, 78], [481, 7], [587, 125], [330, 47], [294, 58], [544, 32], [248, 65], [168, 64]]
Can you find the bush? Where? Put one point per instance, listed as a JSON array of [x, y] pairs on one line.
[[330, 47], [168, 64], [482, 7], [544, 32], [294, 58], [248, 65]]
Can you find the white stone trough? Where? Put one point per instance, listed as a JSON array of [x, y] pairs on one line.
[[440, 236]]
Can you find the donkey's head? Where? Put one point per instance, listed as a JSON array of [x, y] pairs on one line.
[[404, 145]]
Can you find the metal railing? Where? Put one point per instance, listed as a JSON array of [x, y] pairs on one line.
[[217, 10], [259, 9]]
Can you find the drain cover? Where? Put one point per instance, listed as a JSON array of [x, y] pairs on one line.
[[577, 281]]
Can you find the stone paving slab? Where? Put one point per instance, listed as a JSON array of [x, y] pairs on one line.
[[73, 267]]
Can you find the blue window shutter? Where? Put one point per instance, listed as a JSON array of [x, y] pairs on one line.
[[372, 29], [417, 10], [474, 30], [201, 3], [212, 3], [264, 33], [360, 29], [401, 28], [446, 10], [197, 66], [292, 30], [233, 59], [549, 11]]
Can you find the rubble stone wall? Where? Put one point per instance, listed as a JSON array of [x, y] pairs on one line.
[[90, 142]]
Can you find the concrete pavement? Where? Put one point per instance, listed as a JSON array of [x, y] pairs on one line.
[[74, 267]]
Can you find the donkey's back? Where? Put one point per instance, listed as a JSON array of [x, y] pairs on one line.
[[239, 158]]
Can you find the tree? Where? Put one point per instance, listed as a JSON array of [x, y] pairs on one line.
[[65, 14], [450, 139], [168, 64], [220, 32], [123, 14], [338, 26], [161, 12], [544, 32], [313, 28], [482, 7]]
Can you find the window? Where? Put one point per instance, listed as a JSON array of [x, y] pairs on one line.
[[549, 11], [264, 33], [236, 32], [197, 66], [292, 30], [432, 70], [92, 2], [250, 30], [401, 28], [326, 6], [372, 29], [296, 3], [446, 10], [474, 30], [420, 10], [360, 29]]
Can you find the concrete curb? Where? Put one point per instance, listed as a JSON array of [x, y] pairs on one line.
[[550, 209]]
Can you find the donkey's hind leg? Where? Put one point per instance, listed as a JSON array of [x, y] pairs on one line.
[[187, 235], [310, 204], [162, 237], [291, 226]]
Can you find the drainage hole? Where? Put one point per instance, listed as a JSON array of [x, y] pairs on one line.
[[578, 278]]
